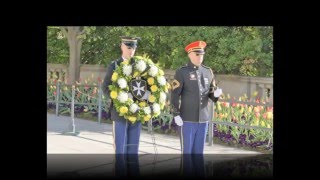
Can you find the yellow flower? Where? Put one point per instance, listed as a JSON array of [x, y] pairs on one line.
[[149, 61], [123, 109], [255, 93], [162, 106], [154, 88], [114, 76], [132, 118], [152, 98], [168, 86], [165, 89], [113, 94], [135, 74], [219, 107], [161, 73], [150, 81], [269, 115], [147, 117], [125, 62], [142, 104], [263, 124], [144, 74]]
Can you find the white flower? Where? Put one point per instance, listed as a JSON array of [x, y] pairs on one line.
[[147, 110], [134, 107], [156, 108], [141, 65], [127, 70], [123, 96], [122, 83], [163, 97], [161, 80], [153, 71]]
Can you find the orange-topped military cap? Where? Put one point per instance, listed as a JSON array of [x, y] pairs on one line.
[[197, 46]]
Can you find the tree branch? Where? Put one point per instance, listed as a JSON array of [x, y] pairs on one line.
[[64, 31], [82, 32]]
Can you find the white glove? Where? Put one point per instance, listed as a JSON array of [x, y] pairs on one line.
[[217, 93], [178, 120], [146, 95]]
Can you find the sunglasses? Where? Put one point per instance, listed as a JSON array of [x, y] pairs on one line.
[[197, 54], [130, 47]]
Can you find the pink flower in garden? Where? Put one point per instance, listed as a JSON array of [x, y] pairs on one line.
[[264, 115], [226, 104], [221, 116], [269, 109], [99, 80]]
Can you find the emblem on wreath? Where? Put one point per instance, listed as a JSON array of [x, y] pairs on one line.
[[138, 88]]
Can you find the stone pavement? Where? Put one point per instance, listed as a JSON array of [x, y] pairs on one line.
[[90, 154]]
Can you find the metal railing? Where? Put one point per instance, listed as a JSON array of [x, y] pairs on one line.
[[100, 101], [73, 103]]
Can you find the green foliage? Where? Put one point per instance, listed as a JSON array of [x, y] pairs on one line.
[[57, 46], [230, 50]]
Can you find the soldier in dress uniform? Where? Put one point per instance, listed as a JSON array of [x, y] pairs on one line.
[[194, 84], [125, 134], [192, 87]]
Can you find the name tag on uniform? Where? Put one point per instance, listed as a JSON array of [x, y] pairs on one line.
[[192, 76], [206, 80]]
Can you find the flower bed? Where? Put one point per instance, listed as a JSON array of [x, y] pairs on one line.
[[226, 110], [259, 117]]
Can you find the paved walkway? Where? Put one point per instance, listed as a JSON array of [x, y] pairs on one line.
[[95, 138], [91, 154]]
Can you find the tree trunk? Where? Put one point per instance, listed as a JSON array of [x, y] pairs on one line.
[[75, 44]]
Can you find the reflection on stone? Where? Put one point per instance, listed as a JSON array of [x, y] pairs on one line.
[[152, 165]]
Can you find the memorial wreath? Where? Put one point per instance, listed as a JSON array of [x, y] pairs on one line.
[[138, 89]]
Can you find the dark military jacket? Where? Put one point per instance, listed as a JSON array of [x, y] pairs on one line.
[[194, 85], [105, 88]]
